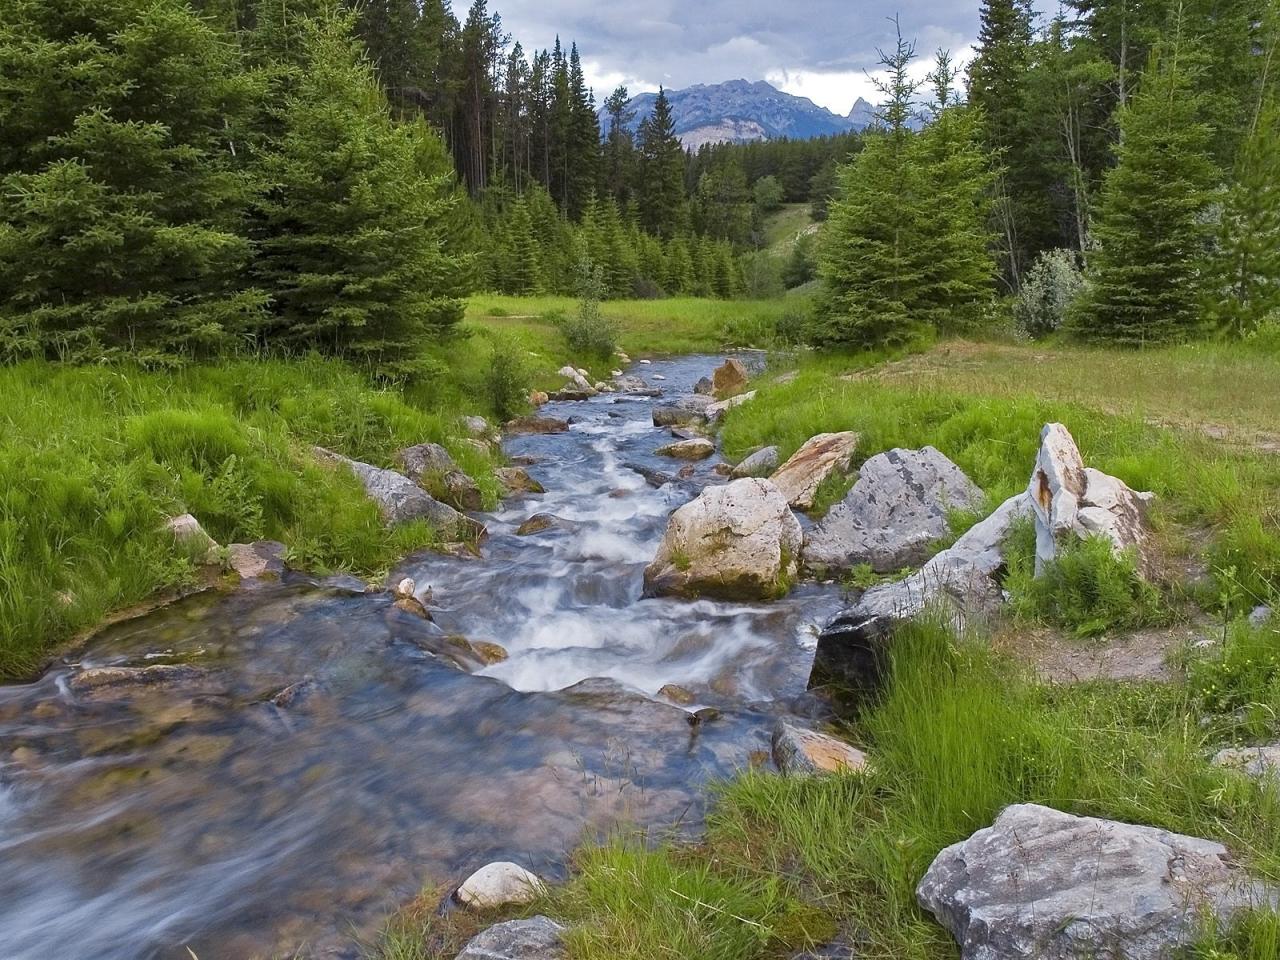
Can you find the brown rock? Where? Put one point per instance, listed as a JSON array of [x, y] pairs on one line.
[[729, 378], [677, 694], [517, 480], [537, 424]]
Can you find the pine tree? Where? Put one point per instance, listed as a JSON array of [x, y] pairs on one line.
[[121, 188], [619, 148], [523, 273], [662, 189], [352, 251], [1151, 225], [680, 278], [583, 146], [869, 263]]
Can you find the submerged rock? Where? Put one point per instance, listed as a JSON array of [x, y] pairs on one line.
[[695, 449], [819, 457], [802, 752], [893, 515], [739, 541], [678, 694], [537, 424], [1039, 884], [538, 938], [728, 378], [654, 477], [499, 884], [1073, 501], [759, 464], [542, 522], [400, 500], [430, 466], [960, 581], [101, 678]]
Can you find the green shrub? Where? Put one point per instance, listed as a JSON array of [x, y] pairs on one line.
[[1241, 679], [1086, 588], [507, 379], [1048, 293]]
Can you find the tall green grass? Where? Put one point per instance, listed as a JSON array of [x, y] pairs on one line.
[[94, 459]]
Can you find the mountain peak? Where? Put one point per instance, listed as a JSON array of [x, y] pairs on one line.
[[741, 110]]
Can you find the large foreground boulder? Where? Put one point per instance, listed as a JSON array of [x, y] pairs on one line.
[[819, 457], [430, 466], [739, 541], [1074, 502], [893, 515], [400, 500], [1039, 884], [538, 938], [960, 582]]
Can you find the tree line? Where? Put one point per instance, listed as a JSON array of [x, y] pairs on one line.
[[1117, 171]]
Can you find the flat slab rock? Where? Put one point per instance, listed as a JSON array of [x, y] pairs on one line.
[[818, 458], [538, 938], [1040, 884], [893, 515]]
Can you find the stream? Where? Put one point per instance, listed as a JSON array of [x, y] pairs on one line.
[[209, 816]]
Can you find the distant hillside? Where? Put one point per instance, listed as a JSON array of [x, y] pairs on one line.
[[739, 111]]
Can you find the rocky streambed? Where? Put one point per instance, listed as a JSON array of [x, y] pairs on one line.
[[268, 771]]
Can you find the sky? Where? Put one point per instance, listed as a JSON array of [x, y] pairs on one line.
[[821, 49]]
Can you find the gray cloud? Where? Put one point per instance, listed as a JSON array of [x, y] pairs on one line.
[[681, 43]]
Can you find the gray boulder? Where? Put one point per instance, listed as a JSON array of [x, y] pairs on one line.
[[1259, 616], [189, 536], [893, 515], [538, 938], [1260, 763], [704, 387], [430, 466], [400, 500], [759, 464], [716, 411], [960, 581], [1039, 884]]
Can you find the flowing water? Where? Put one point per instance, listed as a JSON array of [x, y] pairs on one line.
[[208, 814]]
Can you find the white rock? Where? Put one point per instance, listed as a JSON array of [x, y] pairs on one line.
[[567, 372], [739, 541], [499, 884], [893, 515], [646, 362], [615, 373], [1259, 616], [406, 588], [1040, 884], [658, 376], [802, 752], [189, 535], [1072, 501], [819, 457]]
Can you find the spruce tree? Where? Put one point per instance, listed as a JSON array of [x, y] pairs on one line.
[[1151, 227], [1245, 272], [353, 226], [122, 188], [870, 262], [957, 271], [661, 171], [583, 147], [522, 273], [619, 148]]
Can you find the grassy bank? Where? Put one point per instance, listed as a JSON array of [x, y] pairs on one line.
[[94, 459], [963, 729]]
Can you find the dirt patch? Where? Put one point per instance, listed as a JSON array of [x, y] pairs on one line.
[[1135, 656]]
